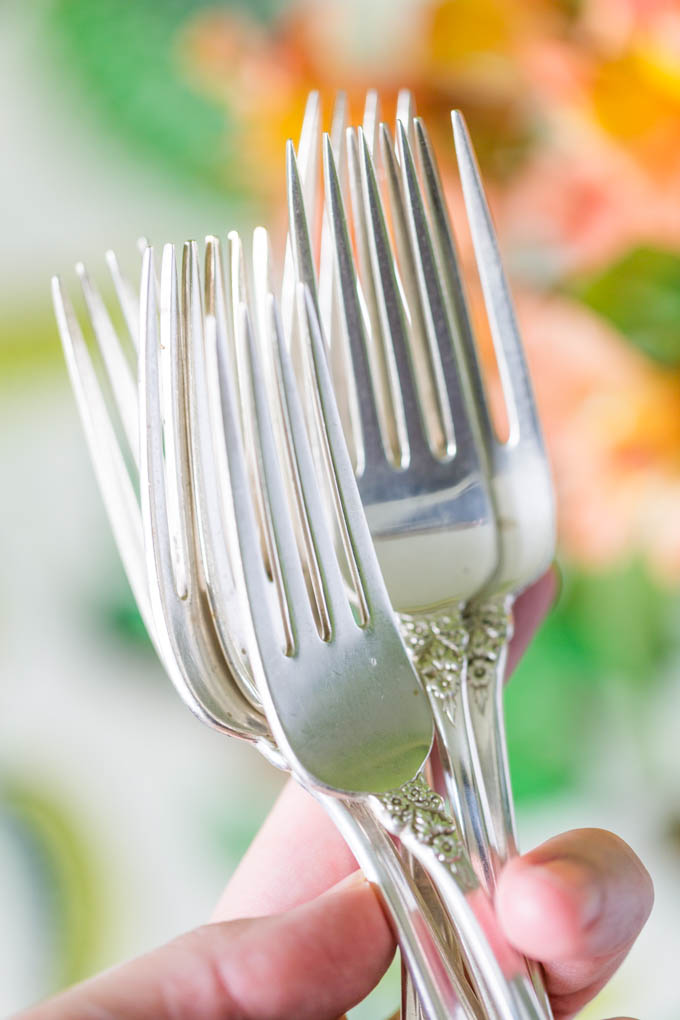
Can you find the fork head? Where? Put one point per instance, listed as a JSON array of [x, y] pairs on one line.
[[519, 469], [173, 603], [430, 285], [340, 694], [423, 485]]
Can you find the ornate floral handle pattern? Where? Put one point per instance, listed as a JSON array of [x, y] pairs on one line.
[[418, 817]]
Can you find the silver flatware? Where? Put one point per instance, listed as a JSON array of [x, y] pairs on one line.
[[176, 588]]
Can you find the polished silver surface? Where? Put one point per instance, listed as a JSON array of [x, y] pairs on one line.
[[320, 669], [402, 292], [184, 646]]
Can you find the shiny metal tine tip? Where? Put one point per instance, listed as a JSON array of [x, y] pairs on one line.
[[112, 475], [327, 292], [152, 480], [406, 112], [238, 280], [117, 366], [307, 169], [127, 297], [371, 445], [299, 233], [409, 422], [449, 264], [308, 159], [263, 283], [360, 550], [175, 328], [311, 128], [339, 118], [517, 388], [215, 294], [371, 120]]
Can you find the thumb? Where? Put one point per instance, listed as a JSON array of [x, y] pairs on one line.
[[314, 963]]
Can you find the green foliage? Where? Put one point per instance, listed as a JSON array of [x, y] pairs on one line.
[[624, 621], [608, 628], [125, 59], [548, 704], [640, 296]]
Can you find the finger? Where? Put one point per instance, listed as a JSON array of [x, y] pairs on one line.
[[529, 611], [577, 904], [297, 854], [312, 963]]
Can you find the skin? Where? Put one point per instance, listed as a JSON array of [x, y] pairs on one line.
[[299, 933]]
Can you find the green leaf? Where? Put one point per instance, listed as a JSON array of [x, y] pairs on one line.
[[124, 58], [624, 621], [611, 628], [640, 296], [548, 704]]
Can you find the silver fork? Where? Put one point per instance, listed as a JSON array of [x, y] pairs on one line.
[[433, 303], [182, 629], [521, 487], [519, 476], [335, 731], [430, 515]]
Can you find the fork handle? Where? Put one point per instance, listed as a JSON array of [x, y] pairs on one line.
[[418, 817], [460, 656], [490, 627], [438, 976]]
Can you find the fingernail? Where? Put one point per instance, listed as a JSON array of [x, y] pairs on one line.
[[573, 877], [355, 880]]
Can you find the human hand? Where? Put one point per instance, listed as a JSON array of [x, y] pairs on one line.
[[316, 940]]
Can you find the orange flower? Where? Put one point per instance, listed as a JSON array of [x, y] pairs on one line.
[[612, 425], [581, 202]]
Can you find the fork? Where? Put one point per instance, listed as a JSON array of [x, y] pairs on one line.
[[183, 629], [522, 490], [430, 293], [427, 508], [335, 732]]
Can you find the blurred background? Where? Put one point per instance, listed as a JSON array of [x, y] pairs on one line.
[[121, 816]]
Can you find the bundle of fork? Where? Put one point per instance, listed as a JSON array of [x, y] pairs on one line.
[[322, 530]]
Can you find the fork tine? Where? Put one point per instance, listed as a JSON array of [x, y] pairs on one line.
[[208, 472], [449, 265], [112, 476], [406, 112], [152, 483], [371, 121], [517, 389], [436, 414], [391, 309], [117, 366], [300, 243], [449, 377], [307, 169], [356, 535], [370, 446], [326, 261], [306, 485], [297, 621], [127, 298], [391, 420]]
